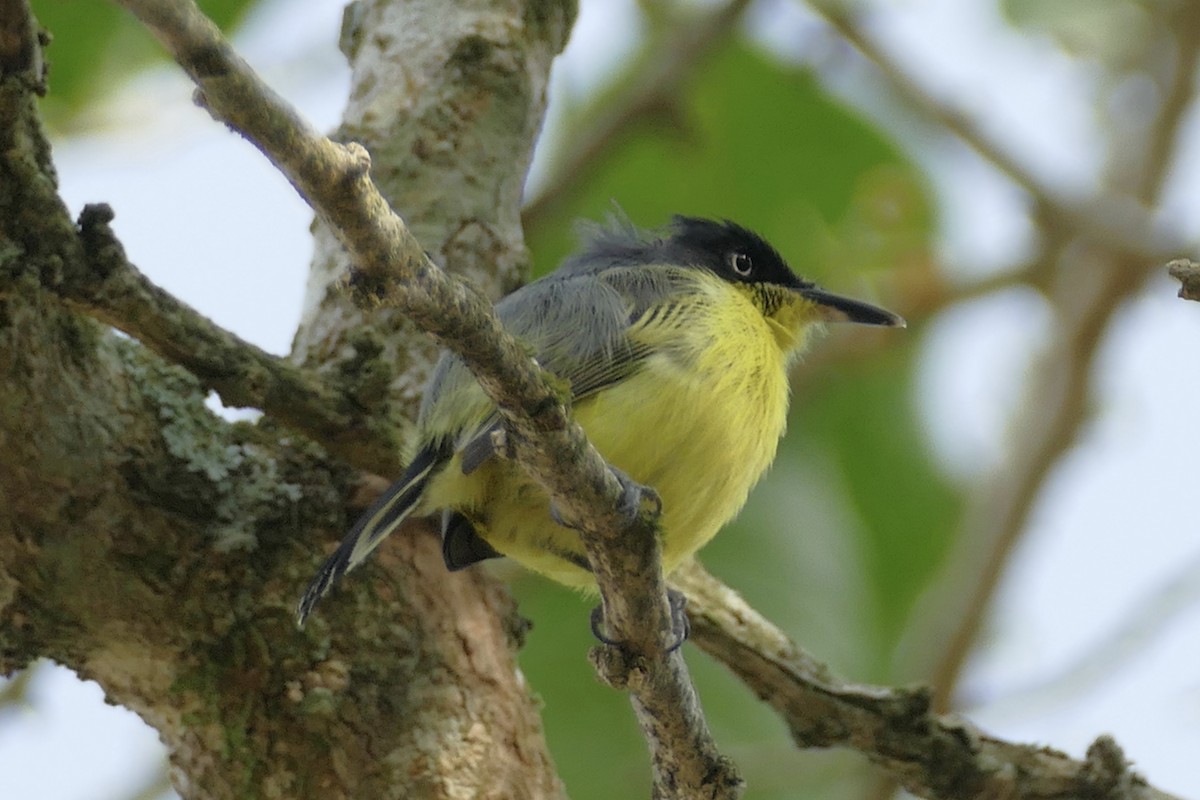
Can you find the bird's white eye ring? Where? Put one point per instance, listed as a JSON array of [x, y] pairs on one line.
[[741, 264]]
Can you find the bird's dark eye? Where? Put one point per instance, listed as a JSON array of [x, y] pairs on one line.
[[741, 264]]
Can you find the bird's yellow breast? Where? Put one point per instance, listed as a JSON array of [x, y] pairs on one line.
[[699, 421]]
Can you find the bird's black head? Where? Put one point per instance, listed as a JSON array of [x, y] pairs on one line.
[[736, 254], [733, 253]]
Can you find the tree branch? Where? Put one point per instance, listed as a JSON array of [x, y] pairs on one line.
[[1056, 407], [111, 289], [393, 271], [931, 755], [1187, 272], [1118, 223], [1178, 96]]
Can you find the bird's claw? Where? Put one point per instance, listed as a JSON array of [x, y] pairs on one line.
[[681, 627], [636, 498], [558, 517], [597, 622]]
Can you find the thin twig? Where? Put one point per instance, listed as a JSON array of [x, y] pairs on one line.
[[1118, 223], [1187, 272], [1162, 146], [393, 270]]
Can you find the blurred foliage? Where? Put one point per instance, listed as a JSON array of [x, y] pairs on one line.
[[96, 45], [843, 535], [1113, 32], [752, 139], [864, 418]]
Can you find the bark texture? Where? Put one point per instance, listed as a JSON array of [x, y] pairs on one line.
[[448, 98], [159, 550]]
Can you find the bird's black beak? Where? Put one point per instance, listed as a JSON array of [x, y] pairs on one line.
[[835, 308]]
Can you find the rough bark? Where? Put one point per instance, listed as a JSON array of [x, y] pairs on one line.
[[159, 550], [448, 99]]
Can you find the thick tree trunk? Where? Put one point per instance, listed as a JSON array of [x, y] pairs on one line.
[[159, 550]]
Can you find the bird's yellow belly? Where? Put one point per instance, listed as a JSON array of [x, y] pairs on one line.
[[701, 437], [702, 458]]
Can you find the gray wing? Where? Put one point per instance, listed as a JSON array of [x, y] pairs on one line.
[[576, 324]]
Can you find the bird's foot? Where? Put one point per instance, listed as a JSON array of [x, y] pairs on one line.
[[681, 627], [635, 499]]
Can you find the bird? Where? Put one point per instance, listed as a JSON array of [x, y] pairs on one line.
[[675, 343]]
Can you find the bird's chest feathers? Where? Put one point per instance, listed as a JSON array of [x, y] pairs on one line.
[[711, 405], [739, 376]]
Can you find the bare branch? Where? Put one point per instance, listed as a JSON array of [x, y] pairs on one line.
[[1118, 223], [394, 271], [1162, 145], [1091, 286], [1188, 274], [931, 755], [114, 291]]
